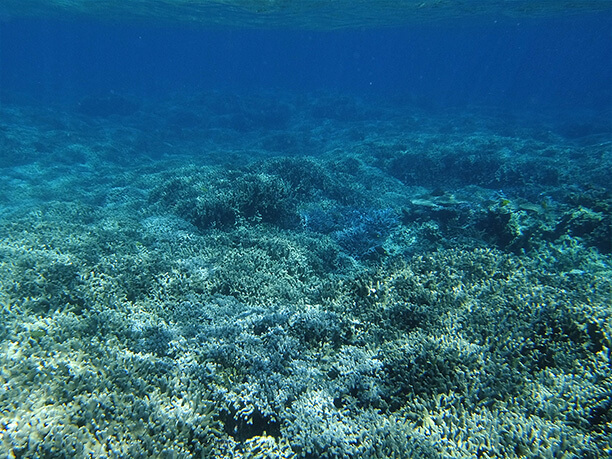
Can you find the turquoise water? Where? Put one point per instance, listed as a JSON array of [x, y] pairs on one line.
[[305, 230]]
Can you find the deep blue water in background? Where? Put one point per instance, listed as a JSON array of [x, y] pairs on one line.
[[550, 62]]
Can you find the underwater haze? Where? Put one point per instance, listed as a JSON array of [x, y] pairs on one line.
[[289, 229], [560, 62]]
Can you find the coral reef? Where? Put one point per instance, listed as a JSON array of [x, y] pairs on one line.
[[379, 300]]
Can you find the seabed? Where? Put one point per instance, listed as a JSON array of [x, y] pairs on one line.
[[320, 276]]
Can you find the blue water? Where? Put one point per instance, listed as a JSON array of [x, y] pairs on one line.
[[527, 62]]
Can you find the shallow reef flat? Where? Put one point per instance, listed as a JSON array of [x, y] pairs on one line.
[[303, 276]]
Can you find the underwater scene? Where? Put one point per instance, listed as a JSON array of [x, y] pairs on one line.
[[305, 229]]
